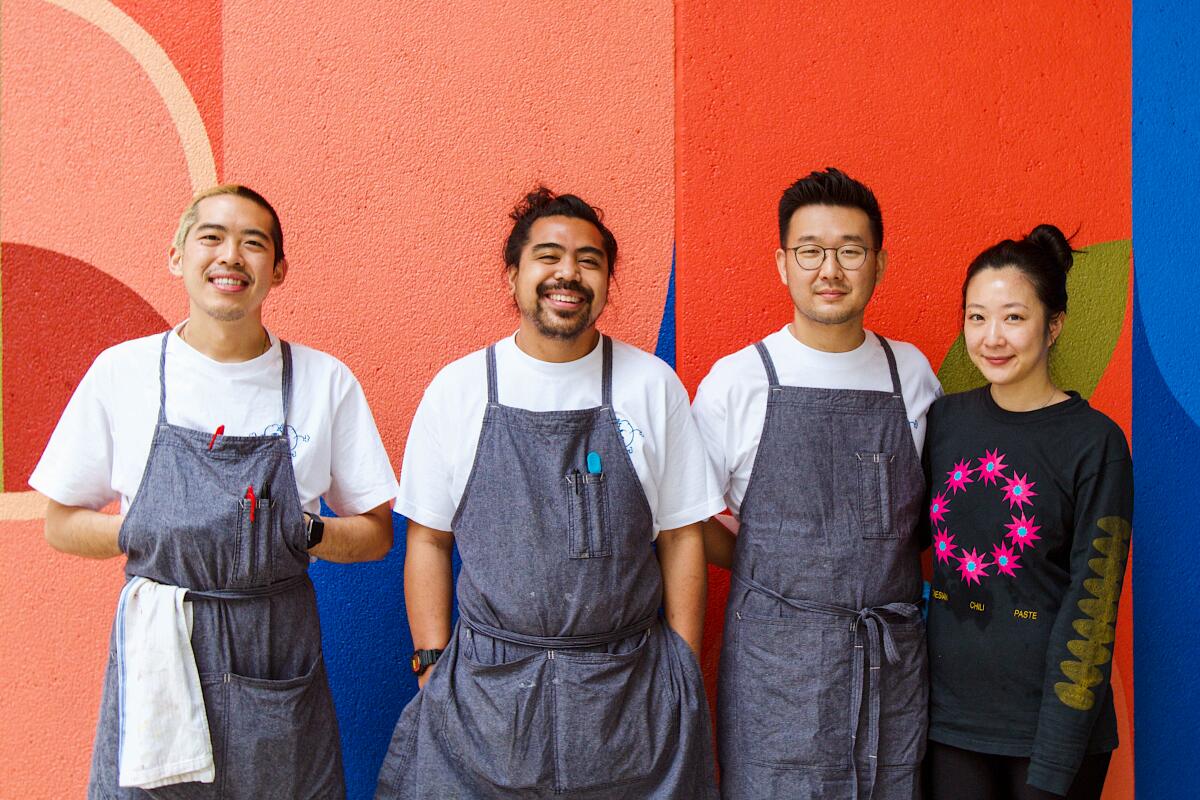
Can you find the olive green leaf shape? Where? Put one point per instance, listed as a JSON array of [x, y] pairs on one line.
[[1098, 287]]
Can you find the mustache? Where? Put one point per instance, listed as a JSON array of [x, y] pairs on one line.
[[570, 286]]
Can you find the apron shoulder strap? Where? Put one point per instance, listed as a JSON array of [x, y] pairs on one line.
[[768, 364], [492, 381], [892, 368], [286, 350], [162, 380], [606, 379]]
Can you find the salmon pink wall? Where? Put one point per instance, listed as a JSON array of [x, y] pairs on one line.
[[393, 137]]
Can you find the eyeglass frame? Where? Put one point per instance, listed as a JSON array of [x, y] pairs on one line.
[[837, 258]]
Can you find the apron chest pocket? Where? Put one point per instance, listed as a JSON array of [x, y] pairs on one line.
[[254, 544], [587, 515], [874, 495]]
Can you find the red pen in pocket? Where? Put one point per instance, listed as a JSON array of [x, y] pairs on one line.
[[219, 432], [250, 499]]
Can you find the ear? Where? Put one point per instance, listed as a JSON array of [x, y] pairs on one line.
[[175, 261], [511, 272], [781, 265], [880, 266], [1056, 326], [279, 272]]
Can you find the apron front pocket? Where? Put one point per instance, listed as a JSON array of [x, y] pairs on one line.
[[587, 515], [904, 699], [792, 692], [874, 495], [613, 714], [496, 719], [281, 737], [254, 545]]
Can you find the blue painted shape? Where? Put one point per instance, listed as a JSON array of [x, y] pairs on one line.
[[1166, 140], [1166, 576], [364, 628], [665, 348], [593, 463]]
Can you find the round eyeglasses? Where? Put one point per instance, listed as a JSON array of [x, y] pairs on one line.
[[849, 256]]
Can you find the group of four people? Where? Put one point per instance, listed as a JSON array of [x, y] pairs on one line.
[[583, 495]]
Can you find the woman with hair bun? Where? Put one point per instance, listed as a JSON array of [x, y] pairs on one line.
[[1031, 501]]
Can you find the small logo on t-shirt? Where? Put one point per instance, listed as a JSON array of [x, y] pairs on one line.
[[294, 437], [629, 434]]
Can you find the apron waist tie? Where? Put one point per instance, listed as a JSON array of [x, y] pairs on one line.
[[559, 642], [880, 644], [249, 593]]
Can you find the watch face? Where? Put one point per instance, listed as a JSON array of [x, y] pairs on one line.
[[416, 663]]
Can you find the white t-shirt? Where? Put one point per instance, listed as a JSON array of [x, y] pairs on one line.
[[731, 403], [98, 451], [651, 406]]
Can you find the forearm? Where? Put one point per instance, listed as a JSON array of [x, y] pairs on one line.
[[719, 542], [685, 582], [428, 586], [360, 537], [82, 531]]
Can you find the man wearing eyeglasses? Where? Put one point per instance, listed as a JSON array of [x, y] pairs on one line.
[[815, 433]]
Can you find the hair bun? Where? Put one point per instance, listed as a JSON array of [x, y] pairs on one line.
[[1052, 241]]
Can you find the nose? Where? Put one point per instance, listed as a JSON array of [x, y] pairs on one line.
[[830, 266], [994, 333], [567, 268], [230, 252]]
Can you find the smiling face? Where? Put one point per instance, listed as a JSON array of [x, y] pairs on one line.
[[1006, 330], [561, 283], [830, 300], [227, 260]]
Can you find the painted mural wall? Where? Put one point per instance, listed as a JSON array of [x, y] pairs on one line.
[[393, 137]]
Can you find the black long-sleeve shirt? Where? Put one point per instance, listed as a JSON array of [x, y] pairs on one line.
[[1030, 518]]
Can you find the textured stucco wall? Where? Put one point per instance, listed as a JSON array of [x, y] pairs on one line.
[[393, 137]]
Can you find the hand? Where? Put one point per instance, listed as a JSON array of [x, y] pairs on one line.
[[424, 678]]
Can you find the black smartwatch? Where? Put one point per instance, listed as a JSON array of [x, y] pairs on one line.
[[423, 660], [314, 530]]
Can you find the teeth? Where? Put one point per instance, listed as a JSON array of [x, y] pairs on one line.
[[228, 282], [562, 298]]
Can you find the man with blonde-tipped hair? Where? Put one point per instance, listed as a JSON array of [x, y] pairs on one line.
[[219, 439]]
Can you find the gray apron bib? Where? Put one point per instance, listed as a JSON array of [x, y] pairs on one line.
[[823, 678], [255, 635], [559, 679]]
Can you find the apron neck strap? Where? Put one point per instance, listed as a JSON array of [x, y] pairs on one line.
[[162, 380], [606, 380], [286, 350], [493, 381], [284, 347], [768, 364], [891, 359]]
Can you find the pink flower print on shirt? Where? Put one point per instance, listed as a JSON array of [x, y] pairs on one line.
[[943, 546], [991, 466], [1019, 491], [959, 477], [1022, 531], [971, 566], [937, 508], [1005, 560]]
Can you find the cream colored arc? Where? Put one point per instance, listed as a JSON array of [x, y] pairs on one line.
[[193, 136]]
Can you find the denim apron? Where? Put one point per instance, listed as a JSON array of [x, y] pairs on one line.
[[823, 677], [559, 679], [255, 634]]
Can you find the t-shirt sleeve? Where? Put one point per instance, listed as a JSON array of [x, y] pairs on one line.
[[1079, 655], [77, 465], [688, 491], [709, 412], [361, 476], [426, 474]]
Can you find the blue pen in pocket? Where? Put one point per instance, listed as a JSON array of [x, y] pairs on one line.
[[593, 463]]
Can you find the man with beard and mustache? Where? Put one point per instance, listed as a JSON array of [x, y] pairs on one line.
[[219, 440], [815, 434], [568, 471]]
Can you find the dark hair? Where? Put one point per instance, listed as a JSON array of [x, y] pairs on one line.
[[191, 213], [829, 188], [1044, 257], [542, 202]]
